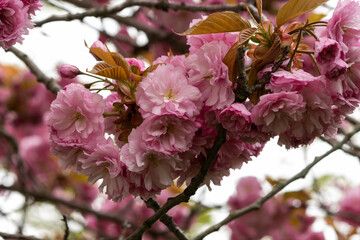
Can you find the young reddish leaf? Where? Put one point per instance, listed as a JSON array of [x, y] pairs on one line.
[[99, 67], [150, 69], [218, 23], [295, 8], [230, 57], [121, 62], [116, 73], [105, 56]]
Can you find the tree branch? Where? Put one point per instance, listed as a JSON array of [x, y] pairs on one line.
[[258, 204], [43, 197], [18, 236], [189, 191], [41, 77], [162, 5], [167, 220]]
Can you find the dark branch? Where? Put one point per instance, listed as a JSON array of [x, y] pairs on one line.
[[41, 77], [67, 231], [44, 197], [167, 220], [162, 5]]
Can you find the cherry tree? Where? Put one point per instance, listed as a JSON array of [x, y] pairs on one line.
[[121, 147]]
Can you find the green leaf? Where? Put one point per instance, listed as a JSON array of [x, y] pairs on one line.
[[295, 8], [218, 23]]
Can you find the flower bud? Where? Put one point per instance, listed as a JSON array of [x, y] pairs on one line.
[[68, 71]]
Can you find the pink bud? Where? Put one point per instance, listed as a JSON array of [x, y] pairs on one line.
[[68, 71]]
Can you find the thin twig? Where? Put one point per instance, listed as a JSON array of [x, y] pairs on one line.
[[281, 185], [44, 197], [189, 191], [162, 5], [67, 231], [41, 77], [167, 220]]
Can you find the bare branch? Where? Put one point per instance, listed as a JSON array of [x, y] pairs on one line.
[[44, 197], [41, 77], [67, 231], [167, 220], [189, 191], [257, 204], [18, 236], [162, 5]]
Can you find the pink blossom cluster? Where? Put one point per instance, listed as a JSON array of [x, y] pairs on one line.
[[178, 106], [181, 116], [278, 218], [15, 20]]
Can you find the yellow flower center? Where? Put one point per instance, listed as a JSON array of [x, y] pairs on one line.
[[170, 94], [77, 116], [152, 160]]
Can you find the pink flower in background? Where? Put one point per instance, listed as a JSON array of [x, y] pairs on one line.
[[35, 152], [350, 208], [249, 190], [160, 94], [278, 112], [208, 73], [76, 116], [14, 22]]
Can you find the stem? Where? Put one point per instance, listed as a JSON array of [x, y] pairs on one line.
[[288, 67]]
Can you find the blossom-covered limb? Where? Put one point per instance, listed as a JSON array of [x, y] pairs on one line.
[[281, 185], [44, 197], [104, 12], [189, 191], [41, 77], [166, 219]]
